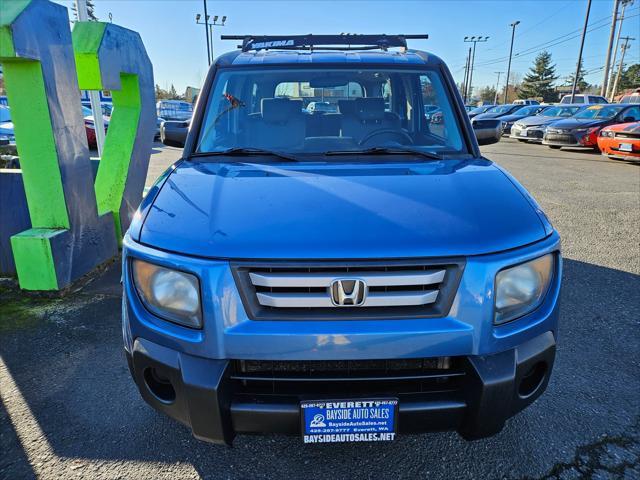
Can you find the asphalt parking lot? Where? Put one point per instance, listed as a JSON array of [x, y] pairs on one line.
[[70, 410]]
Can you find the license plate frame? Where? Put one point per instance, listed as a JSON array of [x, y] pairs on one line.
[[625, 147], [349, 420]]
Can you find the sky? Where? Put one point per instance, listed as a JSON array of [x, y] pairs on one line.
[[177, 45]]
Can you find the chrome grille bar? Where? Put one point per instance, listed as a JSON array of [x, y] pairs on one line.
[[324, 279], [323, 300]]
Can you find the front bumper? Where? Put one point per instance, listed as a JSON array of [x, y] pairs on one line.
[[206, 395], [531, 134]]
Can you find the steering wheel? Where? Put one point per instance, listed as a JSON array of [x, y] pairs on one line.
[[406, 139]]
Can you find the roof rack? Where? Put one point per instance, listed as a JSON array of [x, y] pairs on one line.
[[345, 41]]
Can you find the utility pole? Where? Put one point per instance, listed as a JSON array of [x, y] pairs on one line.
[[473, 40], [625, 3], [584, 32], [506, 83], [495, 99], [614, 20], [624, 49], [94, 97], [466, 74], [209, 32]]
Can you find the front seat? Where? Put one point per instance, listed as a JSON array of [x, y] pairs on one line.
[[280, 125], [365, 115]]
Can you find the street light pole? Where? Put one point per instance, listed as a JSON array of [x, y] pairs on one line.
[[495, 99], [208, 28], [506, 83], [473, 40], [584, 32], [615, 50], [466, 76], [206, 31]]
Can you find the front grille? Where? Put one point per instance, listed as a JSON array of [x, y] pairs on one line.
[[631, 135], [321, 291], [347, 377], [560, 138]]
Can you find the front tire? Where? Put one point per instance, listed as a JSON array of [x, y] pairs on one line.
[[555, 147]]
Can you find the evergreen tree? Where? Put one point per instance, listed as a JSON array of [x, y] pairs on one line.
[[630, 77], [538, 83], [582, 85], [90, 11], [487, 94], [172, 92]]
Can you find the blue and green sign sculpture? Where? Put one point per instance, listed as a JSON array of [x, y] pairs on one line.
[[76, 222]]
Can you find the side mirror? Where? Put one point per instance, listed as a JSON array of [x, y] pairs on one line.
[[487, 131], [174, 134], [628, 119]]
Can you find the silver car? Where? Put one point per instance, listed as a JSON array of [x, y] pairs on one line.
[[531, 129]]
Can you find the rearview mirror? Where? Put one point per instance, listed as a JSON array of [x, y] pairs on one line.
[[487, 131]]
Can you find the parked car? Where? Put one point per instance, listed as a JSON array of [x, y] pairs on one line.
[[518, 114], [106, 107], [583, 98], [159, 121], [478, 110], [528, 101], [174, 133], [531, 129], [631, 98], [429, 110], [620, 141], [174, 110], [4, 101], [275, 279], [322, 107], [90, 128], [582, 129], [499, 111], [7, 136]]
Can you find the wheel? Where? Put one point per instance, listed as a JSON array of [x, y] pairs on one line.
[[555, 147], [523, 141]]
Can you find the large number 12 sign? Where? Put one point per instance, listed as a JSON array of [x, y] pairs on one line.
[[76, 223]]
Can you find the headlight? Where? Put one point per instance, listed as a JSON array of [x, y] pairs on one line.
[[170, 294], [521, 289], [606, 133]]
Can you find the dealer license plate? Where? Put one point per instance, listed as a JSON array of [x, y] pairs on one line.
[[626, 147], [361, 420]]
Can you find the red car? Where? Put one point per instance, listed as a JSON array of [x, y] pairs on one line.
[[620, 141], [89, 127]]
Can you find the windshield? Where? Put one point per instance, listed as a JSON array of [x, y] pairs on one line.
[[560, 111], [5, 115], [530, 110], [599, 111], [310, 111], [576, 99], [478, 110], [500, 109]]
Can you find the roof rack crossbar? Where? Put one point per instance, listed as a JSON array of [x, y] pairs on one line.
[[346, 41]]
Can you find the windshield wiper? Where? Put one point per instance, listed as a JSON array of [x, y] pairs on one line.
[[242, 151], [386, 151]]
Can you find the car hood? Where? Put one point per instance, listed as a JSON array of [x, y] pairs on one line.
[[513, 117], [6, 128], [571, 123], [501, 116], [535, 120], [346, 211]]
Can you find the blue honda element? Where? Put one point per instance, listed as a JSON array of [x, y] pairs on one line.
[[344, 274]]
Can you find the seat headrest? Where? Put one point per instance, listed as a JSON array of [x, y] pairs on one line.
[[279, 110], [370, 108], [347, 107]]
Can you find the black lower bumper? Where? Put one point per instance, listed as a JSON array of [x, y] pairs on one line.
[[206, 395]]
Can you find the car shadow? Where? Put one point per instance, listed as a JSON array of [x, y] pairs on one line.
[[71, 373]]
